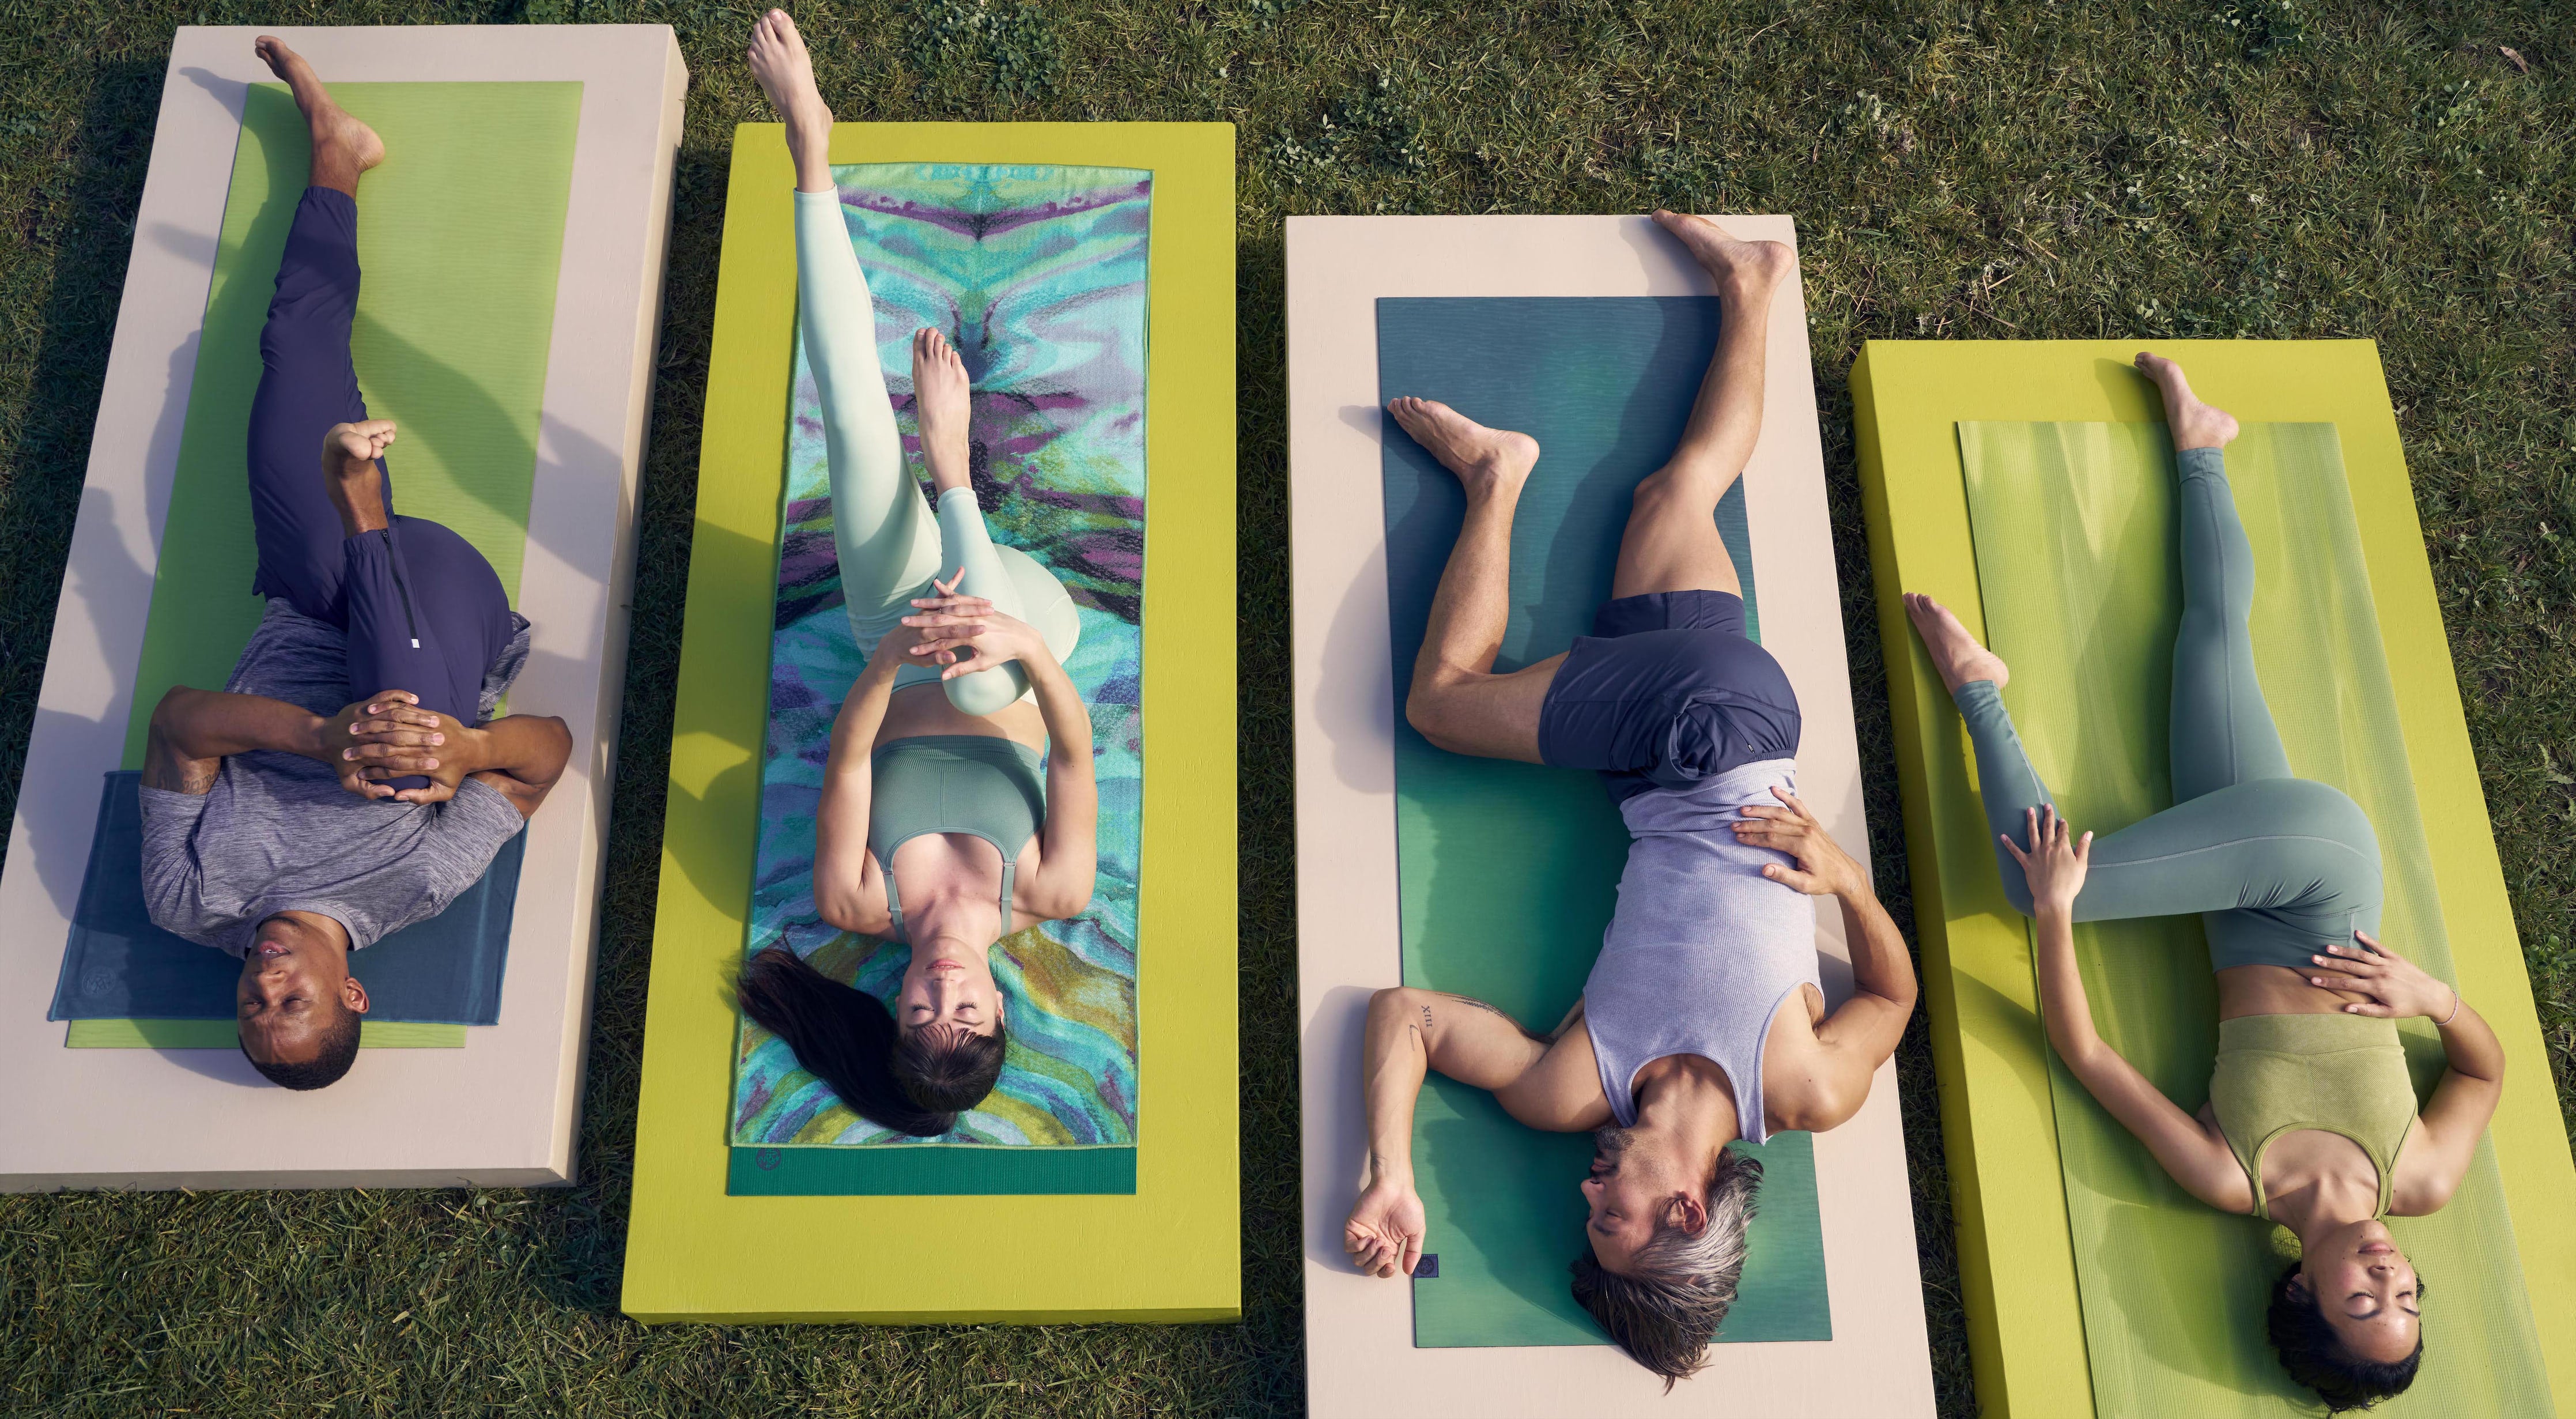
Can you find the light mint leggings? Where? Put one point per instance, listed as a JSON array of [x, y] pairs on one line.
[[2278, 867], [890, 545]]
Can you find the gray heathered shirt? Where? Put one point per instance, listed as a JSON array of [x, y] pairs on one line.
[[277, 832], [1702, 948]]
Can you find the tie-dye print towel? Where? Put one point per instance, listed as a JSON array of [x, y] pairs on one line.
[[1038, 275]]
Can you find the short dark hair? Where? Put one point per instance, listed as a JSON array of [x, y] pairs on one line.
[[2317, 1358], [916, 1084], [339, 1051], [1665, 1315]]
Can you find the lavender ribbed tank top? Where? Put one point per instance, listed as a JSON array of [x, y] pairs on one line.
[[1702, 948]]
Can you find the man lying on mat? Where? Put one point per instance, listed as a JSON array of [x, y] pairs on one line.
[[281, 822], [2311, 1120], [1701, 1022], [958, 802]]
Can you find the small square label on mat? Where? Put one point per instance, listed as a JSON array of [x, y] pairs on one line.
[[1426, 1267]]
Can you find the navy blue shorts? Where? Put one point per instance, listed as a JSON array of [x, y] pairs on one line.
[[1667, 691]]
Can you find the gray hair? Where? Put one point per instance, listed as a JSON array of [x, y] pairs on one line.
[[1664, 1311]]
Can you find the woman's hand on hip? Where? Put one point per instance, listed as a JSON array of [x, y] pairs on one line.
[[1823, 869], [2397, 988], [2056, 862]]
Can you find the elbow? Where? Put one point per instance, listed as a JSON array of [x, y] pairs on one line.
[[170, 716]]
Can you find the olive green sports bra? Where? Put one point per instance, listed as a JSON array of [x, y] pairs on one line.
[[2341, 1074], [978, 784]]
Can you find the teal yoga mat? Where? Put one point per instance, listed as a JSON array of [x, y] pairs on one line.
[[1507, 871]]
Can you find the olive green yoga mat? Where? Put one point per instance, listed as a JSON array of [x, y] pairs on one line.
[[460, 235], [2074, 533], [1507, 871]]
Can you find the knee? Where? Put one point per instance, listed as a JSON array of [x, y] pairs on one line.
[[986, 692], [1393, 1002]]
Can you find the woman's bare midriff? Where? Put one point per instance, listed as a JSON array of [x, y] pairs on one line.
[[2276, 990], [918, 710]]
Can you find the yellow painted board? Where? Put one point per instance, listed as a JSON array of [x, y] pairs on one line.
[[2017, 1266], [1170, 1252]]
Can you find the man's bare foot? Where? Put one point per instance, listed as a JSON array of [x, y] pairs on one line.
[[942, 400], [2194, 424], [350, 475], [1487, 461], [342, 146], [786, 73], [1955, 653], [1741, 268]]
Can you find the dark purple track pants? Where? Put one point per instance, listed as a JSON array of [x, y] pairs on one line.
[[421, 608]]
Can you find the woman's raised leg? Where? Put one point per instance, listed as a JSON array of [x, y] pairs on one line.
[[2222, 731], [881, 528]]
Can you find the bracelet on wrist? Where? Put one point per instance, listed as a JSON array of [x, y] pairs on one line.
[[2446, 1020]]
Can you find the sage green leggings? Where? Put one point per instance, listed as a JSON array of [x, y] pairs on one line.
[[890, 546], [2278, 867]]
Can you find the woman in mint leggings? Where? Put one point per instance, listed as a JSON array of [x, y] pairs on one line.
[[958, 804], [2312, 1120]]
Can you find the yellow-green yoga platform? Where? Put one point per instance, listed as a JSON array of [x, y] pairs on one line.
[[1170, 1249], [2061, 1320]]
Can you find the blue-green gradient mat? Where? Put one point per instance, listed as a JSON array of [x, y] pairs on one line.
[[1507, 871]]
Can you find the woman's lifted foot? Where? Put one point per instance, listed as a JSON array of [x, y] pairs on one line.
[[2194, 424], [1955, 653], [342, 146], [1488, 462], [786, 73], [942, 401], [1740, 268], [350, 475]]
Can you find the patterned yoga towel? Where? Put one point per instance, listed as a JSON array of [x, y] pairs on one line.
[[1037, 275]]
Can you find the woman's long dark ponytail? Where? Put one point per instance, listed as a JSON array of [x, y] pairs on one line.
[[848, 1039]]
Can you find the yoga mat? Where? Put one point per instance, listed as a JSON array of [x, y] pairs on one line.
[[954, 1169], [2075, 541], [120, 967], [460, 235], [1038, 274], [220, 1034], [1507, 871], [1169, 1252]]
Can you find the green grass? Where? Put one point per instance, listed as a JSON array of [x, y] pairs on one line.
[[2169, 168]]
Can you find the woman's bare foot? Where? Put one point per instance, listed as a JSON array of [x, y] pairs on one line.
[[942, 399], [1487, 461], [342, 146], [350, 475], [1740, 268], [2194, 424], [1955, 653], [786, 73]]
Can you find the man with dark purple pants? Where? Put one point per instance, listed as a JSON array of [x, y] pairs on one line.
[[281, 822]]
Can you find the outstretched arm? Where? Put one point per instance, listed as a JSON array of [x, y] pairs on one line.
[[1547, 1084], [2470, 1088], [2195, 1155], [193, 731], [1863, 1031]]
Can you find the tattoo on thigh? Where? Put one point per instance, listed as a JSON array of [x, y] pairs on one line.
[[1488, 1009]]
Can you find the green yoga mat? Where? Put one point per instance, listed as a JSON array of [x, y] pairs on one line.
[[1507, 871], [223, 1034], [2074, 532], [460, 235]]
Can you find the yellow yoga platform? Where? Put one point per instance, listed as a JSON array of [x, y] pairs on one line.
[[2029, 487], [1089, 270]]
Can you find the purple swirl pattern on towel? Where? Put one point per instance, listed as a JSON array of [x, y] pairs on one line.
[[1038, 275]]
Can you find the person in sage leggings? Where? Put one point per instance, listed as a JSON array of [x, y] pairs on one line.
[[2312, 1119], [958, 803]]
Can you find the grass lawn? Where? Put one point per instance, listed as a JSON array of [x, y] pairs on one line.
[[2270, 168]]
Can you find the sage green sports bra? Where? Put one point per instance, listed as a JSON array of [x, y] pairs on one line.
[[2341, 1074], [978, 784]]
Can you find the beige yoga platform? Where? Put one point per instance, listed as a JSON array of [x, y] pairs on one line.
[[1591, 332], [518, 357]]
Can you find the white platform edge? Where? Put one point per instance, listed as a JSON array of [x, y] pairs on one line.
[[501, 1111], [1360, 1356]]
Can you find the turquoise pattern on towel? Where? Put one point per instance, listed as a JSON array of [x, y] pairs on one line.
[[1037, 274]]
